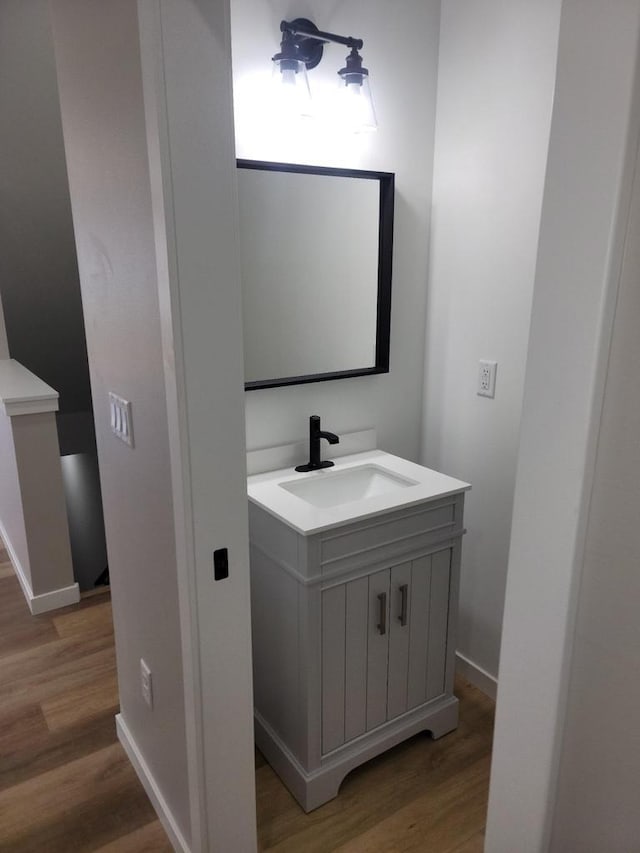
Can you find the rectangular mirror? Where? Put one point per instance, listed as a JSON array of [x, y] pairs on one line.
[[316, 256]]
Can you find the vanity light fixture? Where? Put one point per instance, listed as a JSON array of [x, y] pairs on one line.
[[301, 49]]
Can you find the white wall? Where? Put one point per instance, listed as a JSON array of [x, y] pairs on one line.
[[495, 88], [587, 190], [400, 50], [33, 520], [43, 510], [153, 180], [186, 53], [99, 75], [4, 347], [38, 267], [596, 806], [11, 512]]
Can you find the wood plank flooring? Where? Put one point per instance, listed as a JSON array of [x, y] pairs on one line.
[[66, 785], [423, 795]]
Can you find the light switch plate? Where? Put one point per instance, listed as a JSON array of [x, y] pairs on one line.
[[120, 418], [146, 683]]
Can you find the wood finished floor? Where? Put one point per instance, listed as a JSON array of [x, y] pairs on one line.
[[66, 785]]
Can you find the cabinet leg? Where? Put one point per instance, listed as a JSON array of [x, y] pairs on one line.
[[315, 787], [444, 721]]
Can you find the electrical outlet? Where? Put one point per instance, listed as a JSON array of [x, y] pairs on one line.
[[146, 683], [487, 378]]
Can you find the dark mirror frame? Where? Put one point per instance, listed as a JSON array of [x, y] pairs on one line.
[[385, 265]]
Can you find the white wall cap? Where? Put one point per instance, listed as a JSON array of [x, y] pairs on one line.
[[22, 392]]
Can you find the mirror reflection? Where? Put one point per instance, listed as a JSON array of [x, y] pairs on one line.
[[316, 272]]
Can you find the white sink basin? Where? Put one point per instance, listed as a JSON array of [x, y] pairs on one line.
[[360, 485], [334, 488]]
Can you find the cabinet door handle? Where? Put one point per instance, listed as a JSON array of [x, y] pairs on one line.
[[382, 613], [404, 600]]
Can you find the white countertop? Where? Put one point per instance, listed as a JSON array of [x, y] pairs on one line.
[[22, 393], [265, 491]]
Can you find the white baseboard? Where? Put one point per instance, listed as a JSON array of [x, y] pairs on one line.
[[46, 601], [55, 599], [154, 793], [479, 677]]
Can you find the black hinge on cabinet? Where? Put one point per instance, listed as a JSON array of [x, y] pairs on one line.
[[220, 564]]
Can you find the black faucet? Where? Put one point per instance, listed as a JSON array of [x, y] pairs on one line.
[[315, 434]]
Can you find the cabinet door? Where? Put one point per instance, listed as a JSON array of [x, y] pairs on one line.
[[419, 632], [333, 666], [378, 649], [438, 622], [399, 632], [355, 700], [384, 642], [417, 649], [430, 578], [345, 612]]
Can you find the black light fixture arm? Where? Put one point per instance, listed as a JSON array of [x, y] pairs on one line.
[[303, 27], [301, 48]]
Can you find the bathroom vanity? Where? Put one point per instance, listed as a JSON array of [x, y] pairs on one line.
[[354, 578]]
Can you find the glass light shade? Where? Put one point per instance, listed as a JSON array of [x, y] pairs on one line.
[[356, 105], [290, 86]]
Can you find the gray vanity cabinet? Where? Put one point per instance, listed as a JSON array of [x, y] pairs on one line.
[[384, 640], [353, 639]]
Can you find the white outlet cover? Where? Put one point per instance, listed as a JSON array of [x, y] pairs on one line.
[[487, 378]]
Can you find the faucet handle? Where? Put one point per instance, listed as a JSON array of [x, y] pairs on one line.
[[315, 435]]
